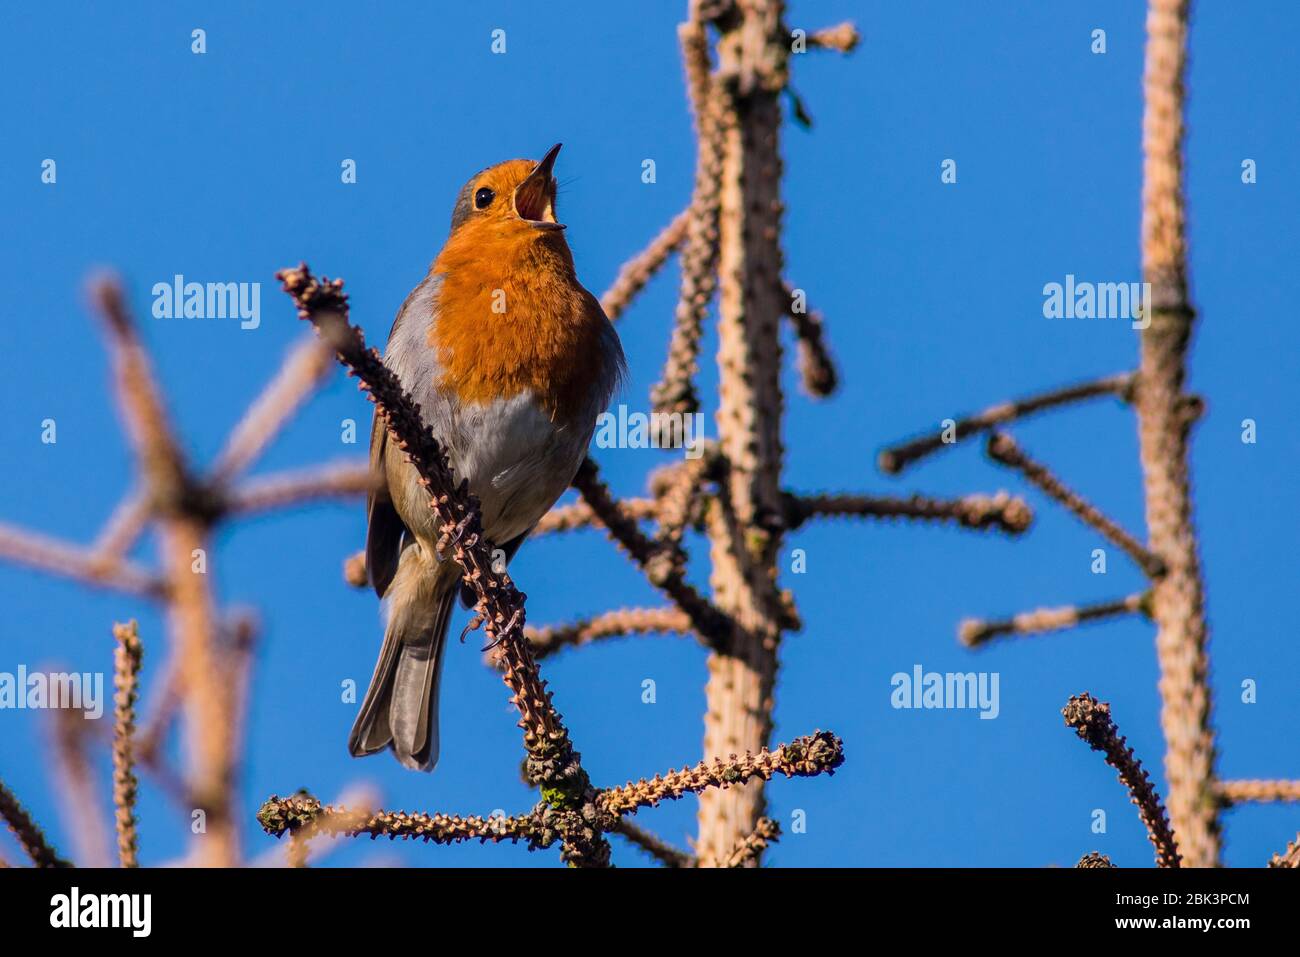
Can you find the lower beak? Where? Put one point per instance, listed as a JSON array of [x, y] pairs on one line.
[[533, 195]]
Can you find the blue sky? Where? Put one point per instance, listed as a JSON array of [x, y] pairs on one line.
[[225, 167]]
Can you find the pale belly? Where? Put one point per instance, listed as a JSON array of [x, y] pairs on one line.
[[516, 460]]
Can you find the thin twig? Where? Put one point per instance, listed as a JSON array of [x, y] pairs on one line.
[[1003, 448], [1091, 720], [817, 753], [896, 458], [842, 38], [341, 480], [123, 528], [72, 561], [354, 570], [568, 518], [80, 798], [1007, 513], [1288, 858], [305, 817], [662, 572], [29, 835], [303, 371], [638, 270], [675, 391], [750, 848], [299, 848], [142, 405], [678, 489], [611, 624], [296, 854], [1257, 791], [663, 852], [816, 367], [127, 656], [166, 700], [974, 632]]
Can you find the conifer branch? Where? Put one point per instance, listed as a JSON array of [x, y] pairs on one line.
[[1003, 448], [1091, 720], [974, 632], [898, 457]]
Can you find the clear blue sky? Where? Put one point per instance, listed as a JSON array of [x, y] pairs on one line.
[[225, 167]]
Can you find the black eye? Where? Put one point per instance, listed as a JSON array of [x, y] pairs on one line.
[[483, 198]]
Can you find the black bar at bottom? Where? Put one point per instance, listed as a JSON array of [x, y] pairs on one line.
[[333, 905]]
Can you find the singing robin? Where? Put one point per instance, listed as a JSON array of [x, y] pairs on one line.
[[511, 361]]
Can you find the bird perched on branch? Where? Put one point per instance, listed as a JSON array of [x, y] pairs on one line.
[[511, 361]]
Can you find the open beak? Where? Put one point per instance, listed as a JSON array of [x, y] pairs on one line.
[[533, 195]]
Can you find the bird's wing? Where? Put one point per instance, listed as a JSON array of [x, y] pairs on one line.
[[385, 531]]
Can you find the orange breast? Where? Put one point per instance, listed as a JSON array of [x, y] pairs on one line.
[[511, 316]]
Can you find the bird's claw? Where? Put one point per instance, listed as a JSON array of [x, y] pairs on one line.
[[501, 635]]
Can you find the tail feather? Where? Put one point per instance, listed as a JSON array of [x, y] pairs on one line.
[[400, 709]]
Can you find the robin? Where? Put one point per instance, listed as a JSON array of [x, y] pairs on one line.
[[511, 361]]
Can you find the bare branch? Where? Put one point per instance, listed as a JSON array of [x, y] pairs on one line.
[[166, 702], [842, 38], [974, 632], [341, 480], [123, 528], [140, 399], [656, 847], [72, 561], [816, 367], [658, 565], [29, 835], [354, 570], [302, 373], [126, 675], [1258, 792], [749, 849], [675, 391], [611, 624], [678, 490], [567, 518], [746, 538], [79, 794], [898, 457], [1003, 448], [1290, 857], [1091, 720], [1004, 512], [818, 753], [638, 270], [1165, 413], [305, 817]]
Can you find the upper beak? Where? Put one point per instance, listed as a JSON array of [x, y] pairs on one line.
[[533, 195]]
